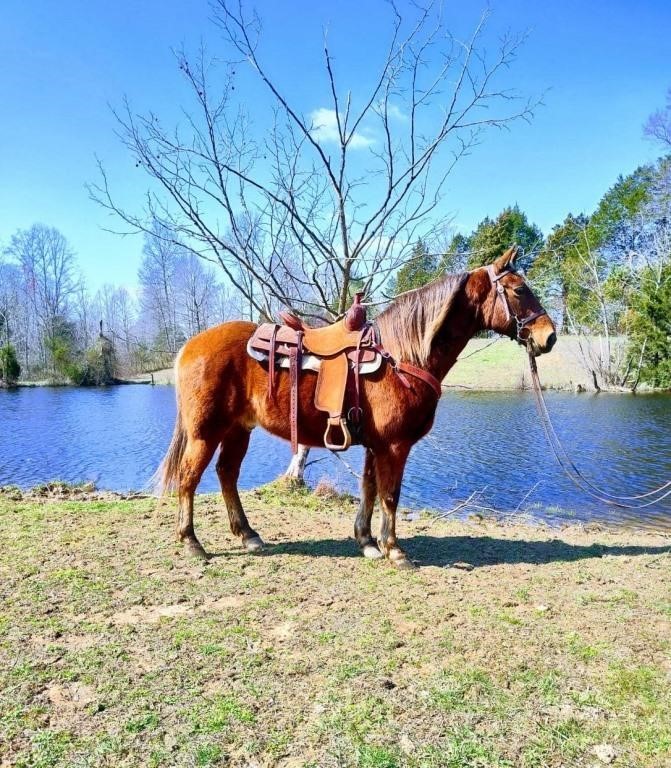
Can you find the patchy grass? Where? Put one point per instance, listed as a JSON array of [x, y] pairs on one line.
[[117, 651]]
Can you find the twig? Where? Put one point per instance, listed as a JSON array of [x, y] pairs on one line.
[[477, 351], [526, 496], [461, 505], [347, 466], [315, 461]]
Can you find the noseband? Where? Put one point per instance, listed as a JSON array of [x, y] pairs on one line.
[[520, 322]]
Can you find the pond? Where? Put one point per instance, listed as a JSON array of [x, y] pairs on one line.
[[487, 442]]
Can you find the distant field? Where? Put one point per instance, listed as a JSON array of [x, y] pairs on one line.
[[502, 365]]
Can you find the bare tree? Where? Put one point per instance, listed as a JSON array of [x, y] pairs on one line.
[[323, 203], [196, 294], [116, 309], [10, 292], [17, 321], [326, 202], [602, 358], [49, 277], [157, 276], [658, 125]]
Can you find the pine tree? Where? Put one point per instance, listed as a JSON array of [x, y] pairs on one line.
[[420, 269], [10, 370], [493, 236], [555, 272], [650, 317]]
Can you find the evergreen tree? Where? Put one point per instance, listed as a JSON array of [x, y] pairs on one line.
[[615, 227], [492, 237], [556, 271], [10, 370], [455, 259], [420, 269], [650, 341]]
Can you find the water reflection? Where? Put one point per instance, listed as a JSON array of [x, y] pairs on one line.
[[486, 442]]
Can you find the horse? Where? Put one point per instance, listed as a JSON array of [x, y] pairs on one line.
[[222, 395]]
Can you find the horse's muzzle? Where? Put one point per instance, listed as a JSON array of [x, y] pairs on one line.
[[541, 347]]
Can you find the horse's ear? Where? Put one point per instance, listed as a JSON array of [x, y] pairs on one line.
[[506, 260]]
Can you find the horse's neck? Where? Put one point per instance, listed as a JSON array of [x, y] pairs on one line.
[[464, 320], [445, 354]]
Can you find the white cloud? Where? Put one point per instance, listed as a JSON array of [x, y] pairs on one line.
[[325, 129], [396, 112]]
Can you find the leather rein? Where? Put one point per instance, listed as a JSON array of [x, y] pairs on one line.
[[641, 500]]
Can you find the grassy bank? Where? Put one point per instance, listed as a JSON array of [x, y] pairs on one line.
[[504, 366], [539, 648]]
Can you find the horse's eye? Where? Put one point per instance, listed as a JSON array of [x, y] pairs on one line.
[[519, 291]]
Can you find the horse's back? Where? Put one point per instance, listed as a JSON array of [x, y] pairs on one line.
[[217, 342]]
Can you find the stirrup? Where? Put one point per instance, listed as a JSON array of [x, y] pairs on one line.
[[339, 422]]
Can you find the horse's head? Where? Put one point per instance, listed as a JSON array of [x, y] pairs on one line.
[[515, 311]]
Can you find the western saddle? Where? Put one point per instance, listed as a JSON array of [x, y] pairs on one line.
[[341, 353]]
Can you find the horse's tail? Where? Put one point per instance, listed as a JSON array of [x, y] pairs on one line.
[[166, 477]]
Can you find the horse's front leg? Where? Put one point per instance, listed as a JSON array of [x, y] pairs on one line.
[[362, 532], [389, 466]]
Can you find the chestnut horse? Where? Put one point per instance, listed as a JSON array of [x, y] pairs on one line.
[[222, 394]]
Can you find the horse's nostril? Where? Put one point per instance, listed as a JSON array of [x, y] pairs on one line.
[[552, 338]]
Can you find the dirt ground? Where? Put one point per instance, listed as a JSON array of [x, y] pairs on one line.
[[509, 646]]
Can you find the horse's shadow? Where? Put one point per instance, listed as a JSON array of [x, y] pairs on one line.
[[479, 551]]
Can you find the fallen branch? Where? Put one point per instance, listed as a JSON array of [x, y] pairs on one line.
[[461, 505], [347, 466]]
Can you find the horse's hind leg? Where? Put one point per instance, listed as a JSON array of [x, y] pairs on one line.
[[362, 532], [233, 449], [197, 456]]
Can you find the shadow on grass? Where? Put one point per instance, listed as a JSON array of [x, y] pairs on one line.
[[477, 550]]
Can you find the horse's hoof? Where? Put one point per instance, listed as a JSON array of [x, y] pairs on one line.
[[399, 559], [371, 552], [255, 544], [195, 549]]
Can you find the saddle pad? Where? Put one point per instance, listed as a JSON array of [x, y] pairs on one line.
[[323, 342], [369, 362], [286, 338]]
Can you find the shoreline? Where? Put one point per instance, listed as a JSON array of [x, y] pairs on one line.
[[278, 490], [484, 366]]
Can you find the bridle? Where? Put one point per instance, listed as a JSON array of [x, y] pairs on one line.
[[520, 322]]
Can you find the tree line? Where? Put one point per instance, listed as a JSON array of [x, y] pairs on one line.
[[605, 277], [52, 327]]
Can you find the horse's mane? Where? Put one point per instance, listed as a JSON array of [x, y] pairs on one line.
[[409, 325]]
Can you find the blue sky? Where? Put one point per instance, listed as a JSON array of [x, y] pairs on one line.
[[603, 67]]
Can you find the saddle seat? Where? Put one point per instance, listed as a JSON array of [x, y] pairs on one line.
[[341, 353]]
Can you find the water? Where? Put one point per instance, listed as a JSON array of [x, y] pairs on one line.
[[491, 443]]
